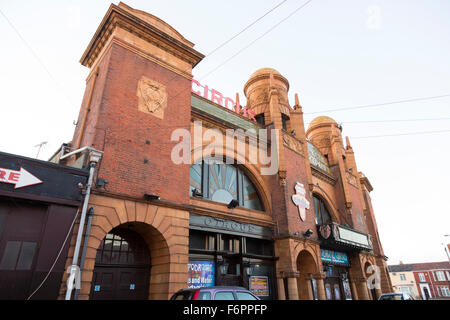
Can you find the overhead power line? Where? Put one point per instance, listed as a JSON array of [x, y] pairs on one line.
[[402, 134], [243, 30], [251, 43], [36, 57], [390, 120], [380, 104]]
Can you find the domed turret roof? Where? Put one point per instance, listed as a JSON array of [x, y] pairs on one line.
[[264, 71], [321, 120]]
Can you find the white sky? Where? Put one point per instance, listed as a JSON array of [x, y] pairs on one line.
[[334, 54]]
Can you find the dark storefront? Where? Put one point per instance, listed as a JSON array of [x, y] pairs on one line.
[[230, 253], [339, 246], [336, 269], [38, 204]]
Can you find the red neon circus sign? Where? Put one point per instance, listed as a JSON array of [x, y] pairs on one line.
[[218, 98]]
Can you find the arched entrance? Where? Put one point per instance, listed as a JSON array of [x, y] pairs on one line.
[[306, 267], [122, 266], [369, 271]]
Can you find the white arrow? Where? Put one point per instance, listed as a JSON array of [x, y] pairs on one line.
[[20, 178]]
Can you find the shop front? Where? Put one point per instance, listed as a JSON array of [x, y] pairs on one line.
[[230, 253], [336, 269], [340, 250], [38, 207]]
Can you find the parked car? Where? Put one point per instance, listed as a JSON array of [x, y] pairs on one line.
[[214, 293], [395, 296]]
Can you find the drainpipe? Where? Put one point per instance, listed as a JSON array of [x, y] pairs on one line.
[[94, 157], [90, 214]]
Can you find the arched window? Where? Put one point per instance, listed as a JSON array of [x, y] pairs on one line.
[[321, 212], [222, 182]]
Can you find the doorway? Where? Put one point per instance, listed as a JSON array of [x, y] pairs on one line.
[[122, 267]]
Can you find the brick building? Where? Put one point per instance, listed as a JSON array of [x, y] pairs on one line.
[[430, 280], [39, 203], [305, 231]]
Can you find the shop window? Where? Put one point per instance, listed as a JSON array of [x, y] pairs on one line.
[[18, 255], [259, 247], [201, 240], [223, 183], [321, 212], [230, 243]]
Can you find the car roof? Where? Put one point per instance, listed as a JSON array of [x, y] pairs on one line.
[[215, 288]]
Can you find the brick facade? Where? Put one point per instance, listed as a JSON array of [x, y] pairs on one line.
[[133, 52]]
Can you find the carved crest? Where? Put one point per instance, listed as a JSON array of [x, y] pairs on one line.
[[325, 231], [152, 97]]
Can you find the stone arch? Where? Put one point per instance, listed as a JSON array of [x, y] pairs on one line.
[[252, 170], [165, 230], [320, 193], [306, 266]]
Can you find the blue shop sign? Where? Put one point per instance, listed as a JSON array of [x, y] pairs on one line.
[[334, 257]]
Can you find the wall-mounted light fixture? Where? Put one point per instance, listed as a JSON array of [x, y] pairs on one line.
[[148, 197], [233, 204], [197, 193], [223, 268], [248, 268], [308, 233]]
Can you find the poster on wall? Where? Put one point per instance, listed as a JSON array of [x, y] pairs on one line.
[[259, 286], [328, 292], [347, 290], [201, 274], [314, 289]]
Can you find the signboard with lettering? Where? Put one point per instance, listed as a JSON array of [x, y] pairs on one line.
[[218, 98], [316, 158], [334, 256], [207, 223], [201, 274], [352, 237], [259, 286]]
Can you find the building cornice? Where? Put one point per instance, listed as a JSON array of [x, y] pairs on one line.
[[117, 16]]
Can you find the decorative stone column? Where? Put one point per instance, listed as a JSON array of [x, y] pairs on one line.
[[292, 285], [378, 292], [363, 289], [281, 294], [320, 286], [354, 290]]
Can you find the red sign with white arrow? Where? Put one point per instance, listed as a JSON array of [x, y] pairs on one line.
[[20, 178]]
